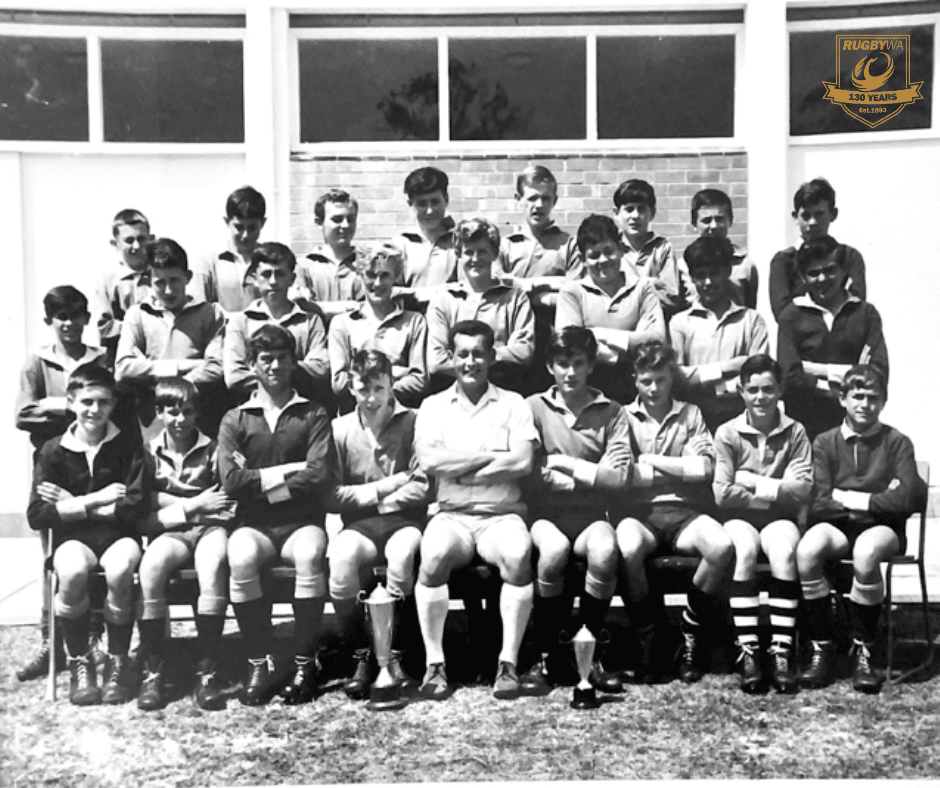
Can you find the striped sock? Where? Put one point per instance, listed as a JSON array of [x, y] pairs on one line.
[[745, 609], [784, 598]]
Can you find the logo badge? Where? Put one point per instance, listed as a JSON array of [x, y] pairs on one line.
[[874, 77]]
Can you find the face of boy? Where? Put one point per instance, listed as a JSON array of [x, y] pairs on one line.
[[571, 372], [273, 279], [814, 219], [472, 361], [429, 209], [711, 284], [179, 420], [244, 232], [761, 394], [274, 369], [68, 326], [713, 222], [378, 281], [372, 395], [169, 286], [92, 406], [603, 261], [862, 408], [634, 218], [476, 257], [825, 280], [654, 387], [130, 241], [339, 223], [536, 203]]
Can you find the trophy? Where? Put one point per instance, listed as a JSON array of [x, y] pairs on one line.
[[584, 695], [385, 693]]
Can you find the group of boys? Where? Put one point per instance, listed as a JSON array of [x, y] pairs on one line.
[[541, 396]]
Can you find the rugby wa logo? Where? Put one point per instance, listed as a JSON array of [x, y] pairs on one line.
[[874, 77]]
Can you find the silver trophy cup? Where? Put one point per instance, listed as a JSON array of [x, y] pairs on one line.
[[385, 694], [584, 695]]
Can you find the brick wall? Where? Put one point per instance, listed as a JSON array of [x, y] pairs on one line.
[[484, 185]]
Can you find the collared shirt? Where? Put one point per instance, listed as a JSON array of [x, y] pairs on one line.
[[426, 264], [118, 289], [72, 442], [555, 254], [743, 283], [363, 459], [634, 307], [152, 338], [785, 281], [656, 259], [185, 475], [499, 420], [401, 336], [306, 328], [321, 278], [220, 279], [503, 307]]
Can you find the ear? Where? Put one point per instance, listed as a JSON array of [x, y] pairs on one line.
[[652, 214], [264, 221], [113, 242], [554, 199], [47, 321], [835, 213], [189, 276]]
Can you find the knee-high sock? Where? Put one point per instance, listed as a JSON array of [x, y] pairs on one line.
[[865, 602], [432, 604], [515, 605], [406, 624], [549, 613], [152, 641], [783, 598], [745, 608], [75, 633], [254, 623], [308, 617], [817, 606], [351, 622], [592, 612]]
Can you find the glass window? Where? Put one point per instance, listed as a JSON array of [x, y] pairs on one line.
[[665, 86], [512, 89], [368, 90], [43, 88], [173, 91], [813, 59]]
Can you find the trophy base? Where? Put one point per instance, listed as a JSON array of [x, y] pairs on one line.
[[584, 699], [387, 698]]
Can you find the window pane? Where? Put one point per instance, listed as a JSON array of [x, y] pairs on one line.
[[665, 86], [368, 90], [173, 91], [813, 58], [517, 89], [43, 89]]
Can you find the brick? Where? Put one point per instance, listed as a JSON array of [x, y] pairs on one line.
[[620, 165], [717, 162], [567, 176], [685, 163], [670, 176], [685, 190], [603, 177], [597, 205], [578, 164], [732, 176], [737, 189]]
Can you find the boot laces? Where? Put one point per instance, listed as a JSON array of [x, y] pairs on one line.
[[748, 650], [819, 653], [781, 654], [81, 672], [689, 646], [863, 654]]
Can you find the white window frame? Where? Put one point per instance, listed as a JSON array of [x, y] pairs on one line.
[[446, 146], [93, 36], [864, 135]]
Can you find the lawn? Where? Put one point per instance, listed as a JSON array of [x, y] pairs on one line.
[[668, 730]]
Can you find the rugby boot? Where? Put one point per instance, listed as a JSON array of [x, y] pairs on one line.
[[690, 654], [150, 697], [434, 686], [117, 689], [209, 695], [262, 682], [506, 686], [357, 686], [752, 675], [83, 686], [782, 674], [864, 678], [535, 680], [816, 674], [302, 688]]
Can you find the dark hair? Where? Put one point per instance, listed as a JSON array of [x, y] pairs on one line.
[[91, 375], [270, 337], [758, 365], [635, 190], [710, 252], [164, 253], [245, 203], [864, 376], [654, 354], [129, 217], [812, 192], [174, 393], [471, 328], [818, 249], [426, 180], [273, 253], [335, 196], [571, 341], [711, 198], [596, 229], [367, 259], [370, 364], [534, 175], [477, 230], [64, 298]]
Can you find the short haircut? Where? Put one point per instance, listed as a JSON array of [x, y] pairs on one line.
[[370, 364], [268, 338], [174, 393], [370, 259], [758, 365], [477, 229], [334, 196], [273, 253], [817, 249], [571, 341], [864, 376], [711, 252], [91, 375], [129, 217], [596, 229], [654, 355], [812, 192], [64, 298], [164, 253], [711, 198], [635, 190], [535, 175], [425, 180], [245, 203], [471, 328]]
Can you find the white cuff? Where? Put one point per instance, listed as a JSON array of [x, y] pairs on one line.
[[172, 515], [165, 368], [694, 469], [372, 494], [585, 473], [835, 373], [643, 475], [71, 509], [851, 499], [709, 373], [273, 485], [388, 508], [758, 503], [54, 403], [766, 488], [823, 384]]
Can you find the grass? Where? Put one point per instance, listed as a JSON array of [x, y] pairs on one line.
[[710, 730]]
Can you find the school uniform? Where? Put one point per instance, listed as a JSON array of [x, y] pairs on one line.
[[554, 254], [118, 289], [427, 264], [786, 283], [221, 279], [656, 259], [320, 278], [743, 283]]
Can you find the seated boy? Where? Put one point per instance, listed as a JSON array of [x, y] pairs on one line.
[[171, 333], [668, 509], [481, 296], [382, 324], [187, 524], [272, 272], [220, 279], [476, 440], [715, 335], [428, 250], [621, 308], [327, 275], [382, 496], [42, 411], [814, 208], [645, 252], [712, 217], [275, 459], [822, 333], [126, 281], [763, 478], [584, 457], [866, 488], [91, 487]]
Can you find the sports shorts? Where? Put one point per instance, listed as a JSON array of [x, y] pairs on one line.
[[666, 521], [570, 521], [99, 543], [853, 525], [279, 534], [191, 536], [382, 527], [479, 532]]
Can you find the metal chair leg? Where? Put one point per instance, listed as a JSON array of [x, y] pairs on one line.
[[50, 579]]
